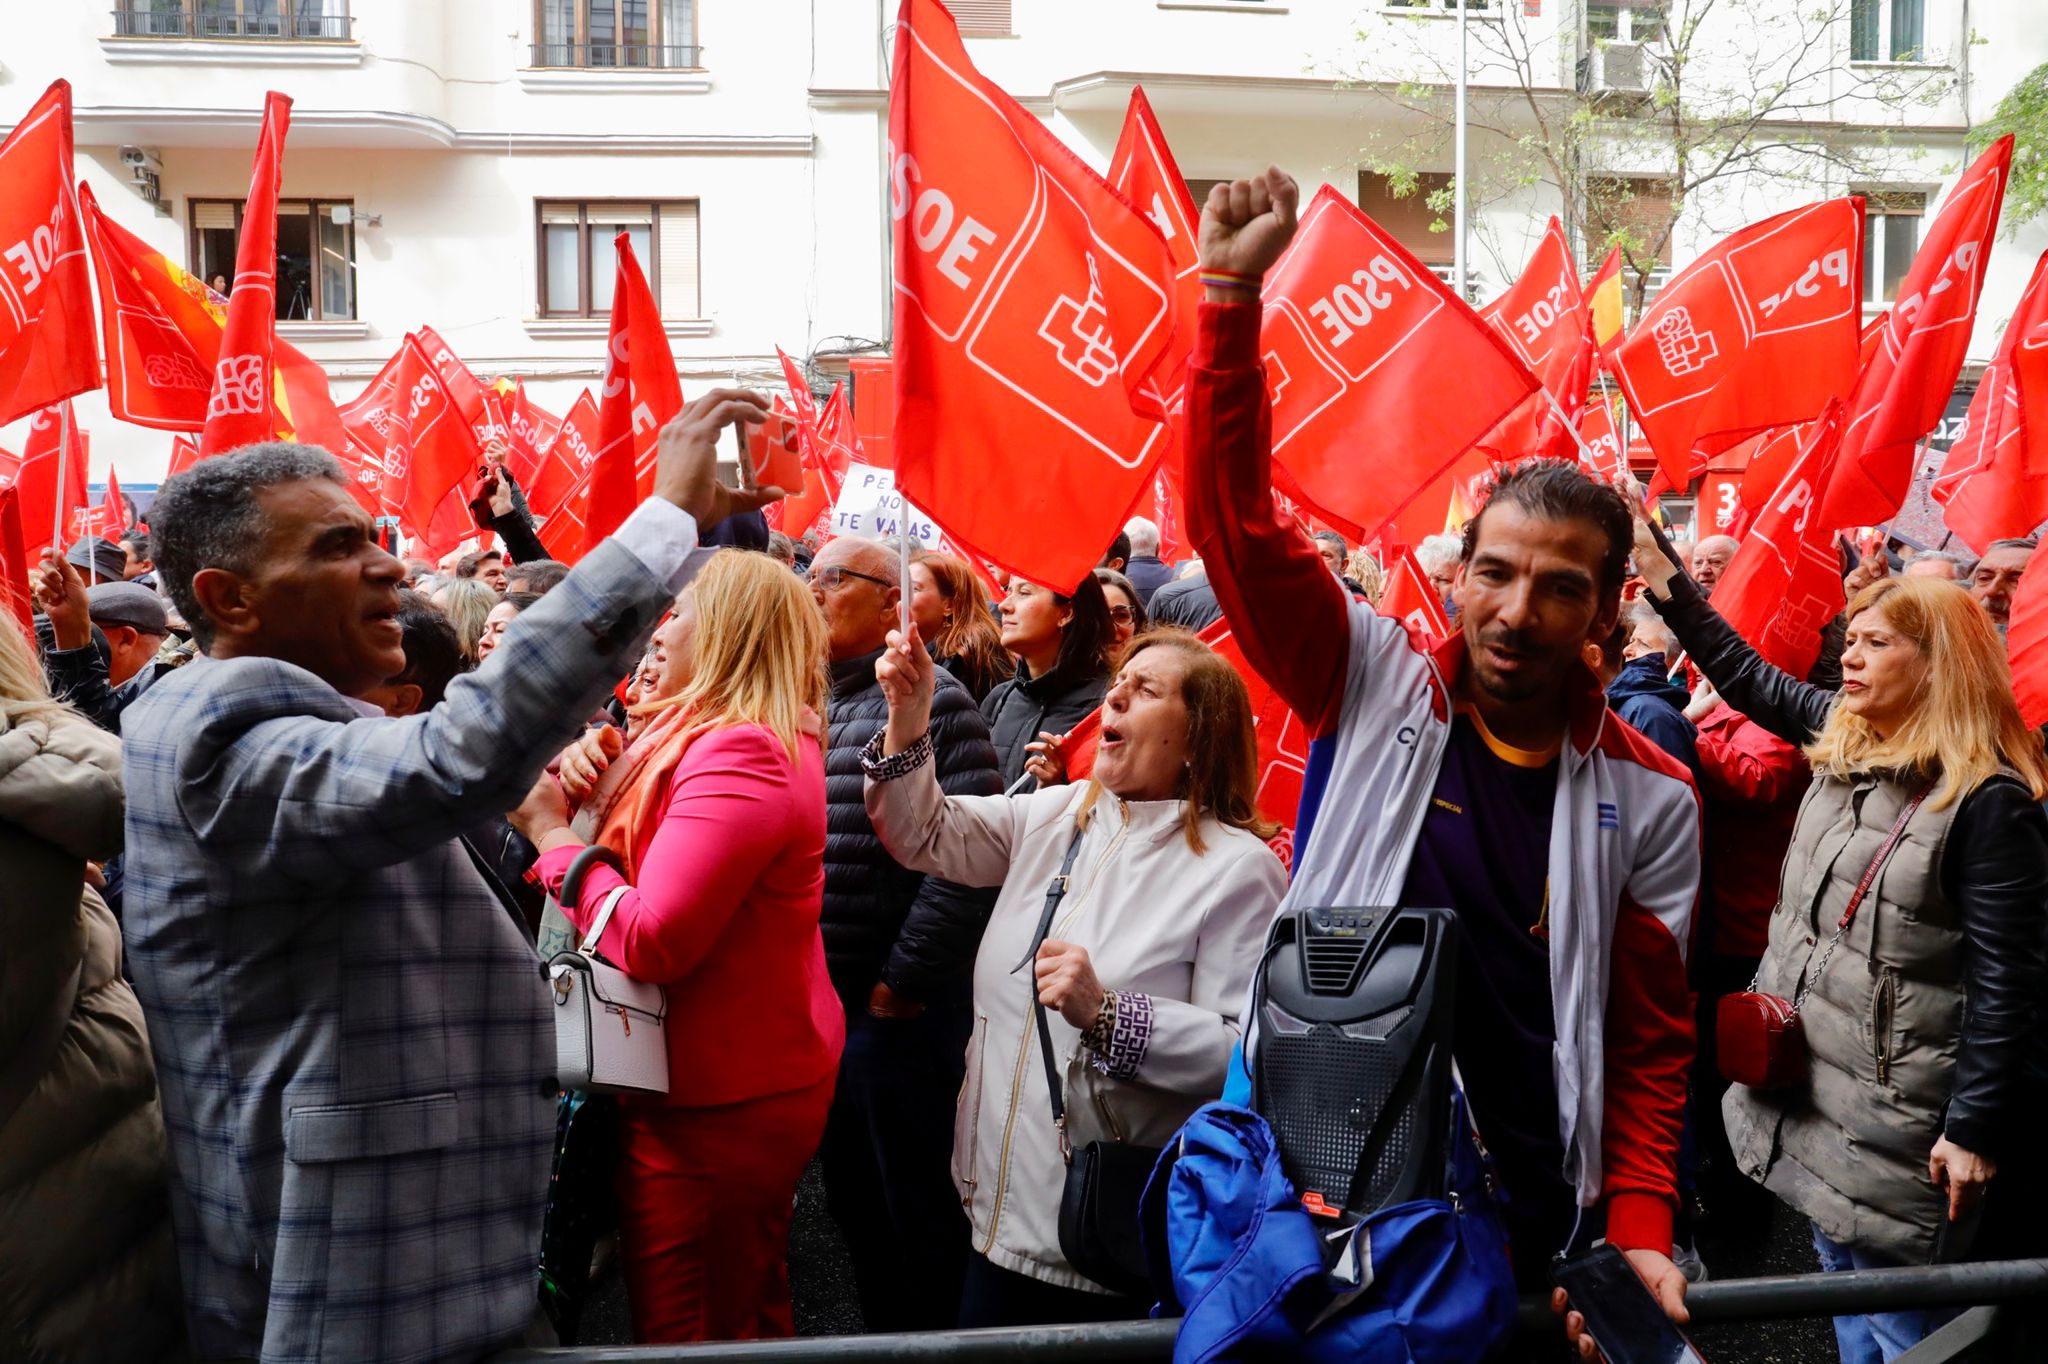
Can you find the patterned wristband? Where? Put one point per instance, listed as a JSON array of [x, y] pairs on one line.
[[1130, 1035], [879, 768]]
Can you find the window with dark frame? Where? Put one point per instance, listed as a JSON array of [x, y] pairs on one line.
[[316, 254], [577, 261], [1891, 237], [616, 34], [278, 20], [1887, 30], [1625, 21]]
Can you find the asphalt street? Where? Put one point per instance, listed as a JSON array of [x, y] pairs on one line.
[[821, 1282]]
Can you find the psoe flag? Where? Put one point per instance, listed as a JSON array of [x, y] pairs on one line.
[[47, 348], [1031, 309]]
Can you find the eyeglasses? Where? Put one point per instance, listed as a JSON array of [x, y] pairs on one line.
[[831, 576], [1122, 615]]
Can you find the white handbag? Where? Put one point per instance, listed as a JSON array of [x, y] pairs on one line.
[[610, 1029]]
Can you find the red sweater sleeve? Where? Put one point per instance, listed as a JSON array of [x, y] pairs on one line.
[[1649, 1045], [1749, 765], [1286, 612], [727, 818]]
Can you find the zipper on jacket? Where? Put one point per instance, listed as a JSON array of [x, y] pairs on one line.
[[1884, 1007], [1024, 1044]]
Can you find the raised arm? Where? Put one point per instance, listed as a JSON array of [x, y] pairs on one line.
[[1255, 556], [1780, 702]]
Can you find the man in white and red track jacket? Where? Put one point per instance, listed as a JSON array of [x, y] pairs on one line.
[[1487, 775]]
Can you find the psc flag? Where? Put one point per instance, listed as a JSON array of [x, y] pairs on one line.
[[1603, 303], [1379, 376], [417, 437], [1785, 582], [1031, 311], [239, 408], [1994, 484], [1410, 598], [1759, 331], [2026, 643], [47, 348], [531, 429], [46, 499], [1544, 318], [1905, 386], [641, 394]]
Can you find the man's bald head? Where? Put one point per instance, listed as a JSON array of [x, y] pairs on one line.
[[1710, 559], [854, 581]]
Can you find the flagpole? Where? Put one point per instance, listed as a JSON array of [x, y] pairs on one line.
[[1571, 426], [1458, 196], [63, 458]]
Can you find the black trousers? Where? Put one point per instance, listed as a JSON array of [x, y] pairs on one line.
[[887, 1158]]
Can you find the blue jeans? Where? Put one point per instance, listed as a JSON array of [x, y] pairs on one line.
[[1879, 1337]]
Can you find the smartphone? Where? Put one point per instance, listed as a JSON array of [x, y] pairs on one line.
[[1622, 1314]]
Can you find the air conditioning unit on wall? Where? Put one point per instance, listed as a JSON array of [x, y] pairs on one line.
[[1620, 69]]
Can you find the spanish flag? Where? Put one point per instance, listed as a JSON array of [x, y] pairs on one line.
[[1603, 299]]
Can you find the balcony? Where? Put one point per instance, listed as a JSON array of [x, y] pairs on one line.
[[208, 23], [615, 57]]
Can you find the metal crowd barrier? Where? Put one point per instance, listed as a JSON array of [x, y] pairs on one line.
[[1981, 1286]]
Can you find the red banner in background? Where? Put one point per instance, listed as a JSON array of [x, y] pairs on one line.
[[42, 500], [1905, 384], [1994, 484], [874, 407], [1031, 310], [556, 497], [1760, 331], [240, 406], [641, 394], [1544, 320], [2026, 642], [15, 564], [1785, 582], [1380, 377], [47, 348]]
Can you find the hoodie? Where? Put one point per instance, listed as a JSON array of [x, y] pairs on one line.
[[1642, 694]]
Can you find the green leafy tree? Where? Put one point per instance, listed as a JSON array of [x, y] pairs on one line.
[[2023, 113]]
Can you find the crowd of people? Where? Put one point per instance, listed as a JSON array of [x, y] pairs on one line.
[[293, 823]]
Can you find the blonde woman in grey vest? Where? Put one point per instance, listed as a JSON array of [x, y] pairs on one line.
[[1922, 1023]]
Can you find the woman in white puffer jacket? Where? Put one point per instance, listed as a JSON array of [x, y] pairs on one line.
[[1143, 970]]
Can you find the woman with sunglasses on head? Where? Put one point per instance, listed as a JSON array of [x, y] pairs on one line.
[[1909, 931], [951, 610], [1062, 645], [1126, 607]]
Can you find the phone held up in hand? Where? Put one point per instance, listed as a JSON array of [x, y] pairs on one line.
[[1622, 1315]]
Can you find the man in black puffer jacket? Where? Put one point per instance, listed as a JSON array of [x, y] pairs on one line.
[[900, 947]]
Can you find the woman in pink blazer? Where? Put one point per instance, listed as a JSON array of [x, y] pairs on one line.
[[718, 809]]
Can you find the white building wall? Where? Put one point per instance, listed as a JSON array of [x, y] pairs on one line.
[[431, 120]]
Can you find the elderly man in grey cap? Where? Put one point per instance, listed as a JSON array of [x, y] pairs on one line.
[[105, 640]]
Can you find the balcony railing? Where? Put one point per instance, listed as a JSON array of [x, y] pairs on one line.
[[290, 28], [619, 56]]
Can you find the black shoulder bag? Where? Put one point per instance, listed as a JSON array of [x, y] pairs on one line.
[[1105, 1179]]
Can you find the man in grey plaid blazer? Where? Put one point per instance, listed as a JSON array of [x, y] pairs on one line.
[[352, 1037]]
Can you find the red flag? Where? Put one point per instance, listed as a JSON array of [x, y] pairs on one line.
[[15, 563], [1411, 598], [1994, 483], [1759, 331], [1600, 435], [1905, 386], [239, 409], [532, 430], [47, 348], [641, 394], [1283, 744], [556, 496], [113, 510], [416, 436], [1785, 583], [1544, 319], [773, 451], [184, 454], [2026, 643], [162, 327], [1603, 305], [1380, 376], [43, 502], [1143, 171], [465, 390], [1031, 312]]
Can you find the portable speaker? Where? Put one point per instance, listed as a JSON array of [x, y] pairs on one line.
[[1352, 1064]]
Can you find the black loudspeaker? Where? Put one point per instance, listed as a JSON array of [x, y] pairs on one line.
[[1351, 1066]]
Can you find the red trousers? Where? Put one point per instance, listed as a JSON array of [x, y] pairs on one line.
[[704, 1205]]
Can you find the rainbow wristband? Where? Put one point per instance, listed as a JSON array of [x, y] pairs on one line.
[[1230, 279]]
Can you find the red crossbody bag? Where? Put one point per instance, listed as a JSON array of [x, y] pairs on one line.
[[1759, 1040]]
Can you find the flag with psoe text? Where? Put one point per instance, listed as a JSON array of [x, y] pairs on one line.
[[1994, 484], [556, 497], [420, 444], [1904, 386], [641, 394], [1544, 319], [1380, 377], [1600, 436], [1031, 313], [1760, 331], [239, 406], [47, 348], [1785, 583]]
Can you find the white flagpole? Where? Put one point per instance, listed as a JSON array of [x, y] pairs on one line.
[[1458, 195], [63, 459], [1571, 426]]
